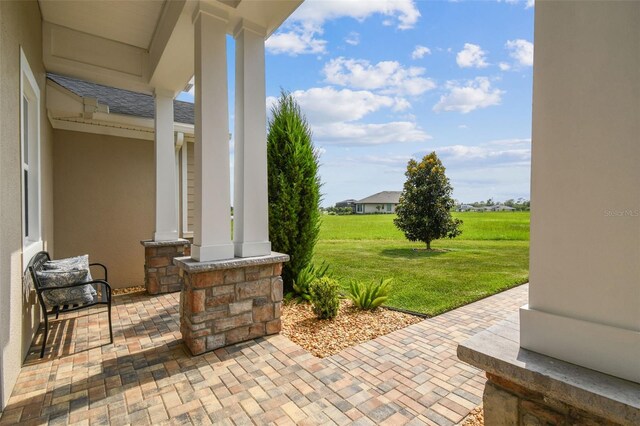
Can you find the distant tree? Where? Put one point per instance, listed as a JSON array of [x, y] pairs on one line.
[[294, 187], [424, 211]]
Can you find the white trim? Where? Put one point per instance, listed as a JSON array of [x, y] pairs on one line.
[[179, 144], [184, 177], [100, 129], [601, 347], [28, 82]]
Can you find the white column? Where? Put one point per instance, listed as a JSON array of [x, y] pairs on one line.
[[165, 159], [250, 207], [584, 296], [212, 216]]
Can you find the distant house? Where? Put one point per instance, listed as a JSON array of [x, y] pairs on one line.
[[465, 208], [382, 202], [351, 203], [500, 208]]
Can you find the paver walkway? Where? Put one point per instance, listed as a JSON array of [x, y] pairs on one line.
[[410, 376]]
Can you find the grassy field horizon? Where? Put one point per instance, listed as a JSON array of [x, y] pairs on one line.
[[490, 256]]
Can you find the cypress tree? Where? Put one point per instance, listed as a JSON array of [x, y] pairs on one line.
[[294, 186]]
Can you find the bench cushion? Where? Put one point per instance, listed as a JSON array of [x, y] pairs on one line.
[[65, 296], [70, 263]]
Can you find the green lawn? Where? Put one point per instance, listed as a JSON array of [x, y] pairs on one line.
[[491, 255]]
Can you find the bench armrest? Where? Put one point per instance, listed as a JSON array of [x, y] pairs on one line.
[[106, 278]]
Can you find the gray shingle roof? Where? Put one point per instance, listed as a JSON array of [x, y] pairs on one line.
[[384, 197], [123, 101]]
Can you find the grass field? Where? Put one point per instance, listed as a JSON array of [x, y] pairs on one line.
[[491, 255]]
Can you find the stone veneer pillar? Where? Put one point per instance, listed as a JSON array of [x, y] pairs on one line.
[[160, 274], [229, 301]]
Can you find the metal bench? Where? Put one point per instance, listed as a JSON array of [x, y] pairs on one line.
[[102, 296]]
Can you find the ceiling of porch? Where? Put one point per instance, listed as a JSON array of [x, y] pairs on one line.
[[128, 22], [139, 45]]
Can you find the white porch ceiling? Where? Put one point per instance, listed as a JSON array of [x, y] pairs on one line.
[[128, 22], [139, 45]]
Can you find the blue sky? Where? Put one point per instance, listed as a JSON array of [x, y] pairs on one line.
[[384, 81]]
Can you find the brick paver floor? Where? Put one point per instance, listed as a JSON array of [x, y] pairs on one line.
[[411, 376]]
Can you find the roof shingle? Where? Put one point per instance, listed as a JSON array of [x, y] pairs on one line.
[[122, 101]]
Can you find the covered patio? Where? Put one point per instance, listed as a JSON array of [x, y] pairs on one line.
[[411, 376], [177, 357]]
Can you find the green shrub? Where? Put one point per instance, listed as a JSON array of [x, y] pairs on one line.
[[294, 187], [370, 295], [325, 299], [301, 285]]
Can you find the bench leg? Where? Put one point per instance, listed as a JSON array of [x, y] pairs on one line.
[[46, 332], [110, 328]]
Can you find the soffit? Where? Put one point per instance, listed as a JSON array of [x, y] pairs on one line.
[[129, 22]]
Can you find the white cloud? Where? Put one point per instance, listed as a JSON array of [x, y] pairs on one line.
[[420, 51], [403, 12], [527, 3], [353, 38], [487, 154], [387, 76], [521, 50], [300, 33], [472, 56], [472, 95], [326, 104], [295, 43], [504, 66], [369, 134], [333, 116]]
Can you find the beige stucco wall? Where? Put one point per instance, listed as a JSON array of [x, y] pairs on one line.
[[584, 297], [371, 208], [20, 25], [104, 201]]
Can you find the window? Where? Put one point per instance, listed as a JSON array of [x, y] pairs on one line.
[[359, 208], [30, 159], [389, 206]]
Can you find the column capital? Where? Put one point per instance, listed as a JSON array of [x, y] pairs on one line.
[[208, 9], [159, 92], [244, 24]]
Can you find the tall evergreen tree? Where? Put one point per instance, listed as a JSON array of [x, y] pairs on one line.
[[424, 211], [294, 187]]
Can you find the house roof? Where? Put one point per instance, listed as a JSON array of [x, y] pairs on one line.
[[384, 197], [123, 101]]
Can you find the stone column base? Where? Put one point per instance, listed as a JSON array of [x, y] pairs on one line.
[[229, 301], [528, 388], [160, 274]]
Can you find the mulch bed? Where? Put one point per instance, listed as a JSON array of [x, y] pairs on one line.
[[352, 326], [127, 290], [475, 418]]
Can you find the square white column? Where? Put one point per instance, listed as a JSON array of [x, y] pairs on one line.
[[166, 228], [250, 207], [212, 216], [584, 294]]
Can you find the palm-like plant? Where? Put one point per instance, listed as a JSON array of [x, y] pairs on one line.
[[302, 283], [370, 295]]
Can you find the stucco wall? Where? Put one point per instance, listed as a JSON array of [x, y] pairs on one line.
[[371, 208], [20, 25], [104, 201]]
